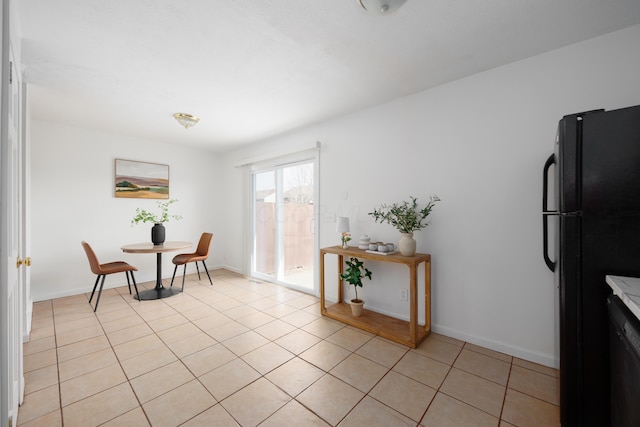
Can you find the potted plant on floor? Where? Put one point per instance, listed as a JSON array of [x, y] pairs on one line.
[[157, 218], [406, 217], [354, 273]]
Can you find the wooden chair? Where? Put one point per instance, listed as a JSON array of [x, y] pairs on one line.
[[201, 254], [102, 270]]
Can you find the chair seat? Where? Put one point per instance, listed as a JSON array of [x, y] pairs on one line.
[[116, 267], [186, 258]]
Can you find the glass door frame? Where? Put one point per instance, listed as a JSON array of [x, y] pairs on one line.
[[277, 165]]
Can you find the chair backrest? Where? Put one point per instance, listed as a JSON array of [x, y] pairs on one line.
[[93, 259], [203, 244]]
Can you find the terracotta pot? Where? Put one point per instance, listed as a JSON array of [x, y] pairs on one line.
[[356, 307]]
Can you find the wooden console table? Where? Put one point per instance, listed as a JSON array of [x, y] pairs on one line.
[[407, 333]]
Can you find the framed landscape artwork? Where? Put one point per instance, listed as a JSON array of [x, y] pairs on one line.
[[141, 180]]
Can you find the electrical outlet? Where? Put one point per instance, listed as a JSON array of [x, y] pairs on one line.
[[404, 294]]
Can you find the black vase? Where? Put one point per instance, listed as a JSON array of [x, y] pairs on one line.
[[157, 234]]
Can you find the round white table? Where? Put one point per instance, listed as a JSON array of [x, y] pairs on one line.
[[149, 248]]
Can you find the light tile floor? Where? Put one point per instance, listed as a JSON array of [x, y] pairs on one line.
[[247, 353]]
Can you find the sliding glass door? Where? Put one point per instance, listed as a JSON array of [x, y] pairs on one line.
[[284, 224]]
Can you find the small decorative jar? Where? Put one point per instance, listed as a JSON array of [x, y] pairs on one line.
[[364, 242]]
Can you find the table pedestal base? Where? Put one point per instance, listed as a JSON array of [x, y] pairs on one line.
[[147, 248], [157, 293]]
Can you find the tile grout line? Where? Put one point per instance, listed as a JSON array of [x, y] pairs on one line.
[[55, 340], [506, 389], [441, 384]]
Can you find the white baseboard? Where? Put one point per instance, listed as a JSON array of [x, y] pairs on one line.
[[549, 360], [512, 350]]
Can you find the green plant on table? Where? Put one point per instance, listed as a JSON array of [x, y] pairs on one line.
[[354, 273], [159, 217], [406, 217]]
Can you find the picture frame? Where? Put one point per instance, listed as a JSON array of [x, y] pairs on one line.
[[140, 180]]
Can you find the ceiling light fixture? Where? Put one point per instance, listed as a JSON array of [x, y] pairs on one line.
[[186, 120], [381, 7]]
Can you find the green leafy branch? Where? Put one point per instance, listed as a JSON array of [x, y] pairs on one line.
[[143, 215], [406, 217]]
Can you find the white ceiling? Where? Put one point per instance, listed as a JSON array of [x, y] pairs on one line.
[[251, 69]]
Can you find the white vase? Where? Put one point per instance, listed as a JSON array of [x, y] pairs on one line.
[[407, 244]]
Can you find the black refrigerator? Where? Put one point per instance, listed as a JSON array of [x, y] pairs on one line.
[[591, 216]]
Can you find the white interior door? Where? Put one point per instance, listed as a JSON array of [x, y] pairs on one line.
[[11, 298], [25, 218]]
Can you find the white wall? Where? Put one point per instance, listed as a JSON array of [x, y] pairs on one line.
[[480, 144], [72, 200]]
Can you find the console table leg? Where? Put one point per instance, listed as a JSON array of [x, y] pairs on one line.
[[427, 296], [323, 308], [413, 304], [340, 271]]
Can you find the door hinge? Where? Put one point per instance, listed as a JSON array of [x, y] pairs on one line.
[[10, 422], [10, 72]]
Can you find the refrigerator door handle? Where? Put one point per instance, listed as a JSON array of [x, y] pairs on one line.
[[546, 214]]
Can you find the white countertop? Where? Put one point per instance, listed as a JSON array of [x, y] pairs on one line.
[[628, 290]]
